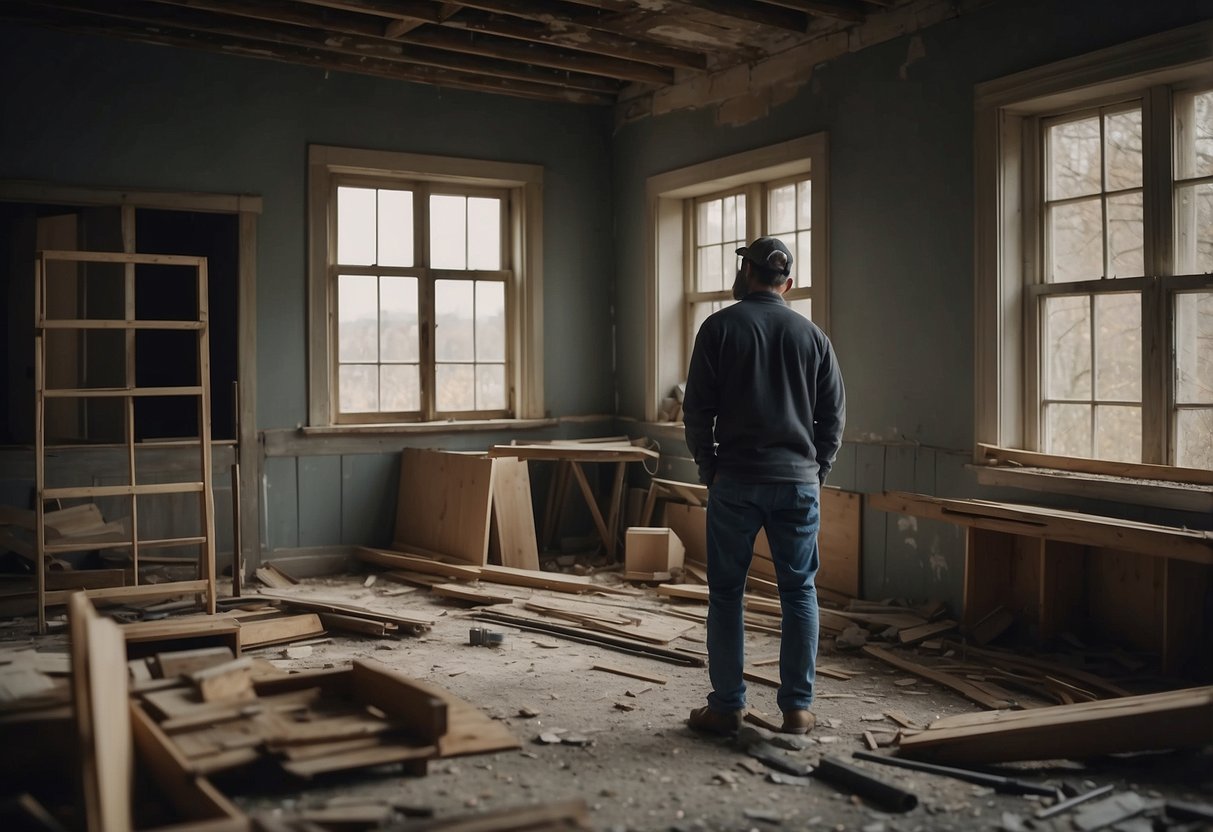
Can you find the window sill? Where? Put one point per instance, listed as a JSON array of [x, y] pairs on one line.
[[354, 439], [445, 426], [1155, 493]]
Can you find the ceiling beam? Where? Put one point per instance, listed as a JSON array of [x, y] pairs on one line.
[[402, 26], [544, 21], [354, 46], [43, 15], [848, 10], [308, 14], [753, 13]]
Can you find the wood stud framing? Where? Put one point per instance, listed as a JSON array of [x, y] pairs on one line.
[[204, 584]]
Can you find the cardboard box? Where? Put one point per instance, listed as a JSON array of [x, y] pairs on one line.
[[651, 550]]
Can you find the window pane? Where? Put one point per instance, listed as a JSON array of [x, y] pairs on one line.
[[1068, 429], [1076, 241], [1118, 348], [1126, 227], [708, 231], [395, 228], [709, 277], [455, 387], [804, 204], [1194, 348], [803, 268], [399, 325], [1118, 433], [1194, 133], [490, 321], [1194, 440], [1074, 158], [453, 315], [699, 314], [1067, 343], [359, 392], [804, 306], [490, 387], [1194, 228], [742, 231], [357, 318], [728, 222], [400, 387], [781, 216], [356, 226], [448, 231], [1122, 135], [484, 233]]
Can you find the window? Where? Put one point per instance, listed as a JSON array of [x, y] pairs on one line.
[[703, 214], [720, 226], [422, 272], [1095, 247]]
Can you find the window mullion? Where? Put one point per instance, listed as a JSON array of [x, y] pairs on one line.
[[425, 301], [1158, 197]]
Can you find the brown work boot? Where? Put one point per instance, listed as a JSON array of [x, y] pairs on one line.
[[798, 722], [709, 721]]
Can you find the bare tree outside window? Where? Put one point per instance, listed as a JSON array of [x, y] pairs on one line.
[[1094, 231], [385, 292]]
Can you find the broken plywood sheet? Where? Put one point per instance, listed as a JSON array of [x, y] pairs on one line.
[[513, 528], [444, 503]]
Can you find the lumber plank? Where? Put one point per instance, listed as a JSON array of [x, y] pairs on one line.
[[555, 581], [357, 624], [633, 674], [406, 621], [922, 632], [194, 797], [270, 631], [578, 452], [948, 680], [513, 514], [1175, 719], [418, 705], [225, 682], [99, 684], [187, 662], [409, 562], [474, 595]]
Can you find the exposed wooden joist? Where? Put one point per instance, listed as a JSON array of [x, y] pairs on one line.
[[474, 43], [848, 10], [163, 34], [393, 9], [354, 46], [544, 21], [754, 13], [468, 43], [402, 26]]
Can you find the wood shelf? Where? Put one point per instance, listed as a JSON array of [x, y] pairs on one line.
[[161, 543], [76, 492]]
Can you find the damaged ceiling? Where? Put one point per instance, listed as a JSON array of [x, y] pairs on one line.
[[578, 51]]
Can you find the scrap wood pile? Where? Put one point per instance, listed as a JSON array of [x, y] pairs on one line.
[[169, 743]]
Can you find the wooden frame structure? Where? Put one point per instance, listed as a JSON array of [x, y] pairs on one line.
[[1140, 584], [129, 325]]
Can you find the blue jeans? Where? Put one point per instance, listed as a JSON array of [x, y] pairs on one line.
[[791, 515]]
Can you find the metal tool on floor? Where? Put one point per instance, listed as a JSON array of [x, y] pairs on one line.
[[484, 637], [1000, 784]]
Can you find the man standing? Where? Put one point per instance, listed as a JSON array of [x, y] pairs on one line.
[[764, 411]]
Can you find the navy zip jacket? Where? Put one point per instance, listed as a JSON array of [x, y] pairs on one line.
[[764, 399]]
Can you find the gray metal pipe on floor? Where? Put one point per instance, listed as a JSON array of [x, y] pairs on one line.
[[885, 795]]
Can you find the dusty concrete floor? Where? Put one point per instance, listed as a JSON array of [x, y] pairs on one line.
[[643, 769]]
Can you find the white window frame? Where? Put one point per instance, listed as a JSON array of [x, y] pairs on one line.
[[670, 197], [521, 184], [1008, 113]]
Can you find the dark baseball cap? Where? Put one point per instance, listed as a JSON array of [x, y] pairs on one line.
[[768, 253]]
